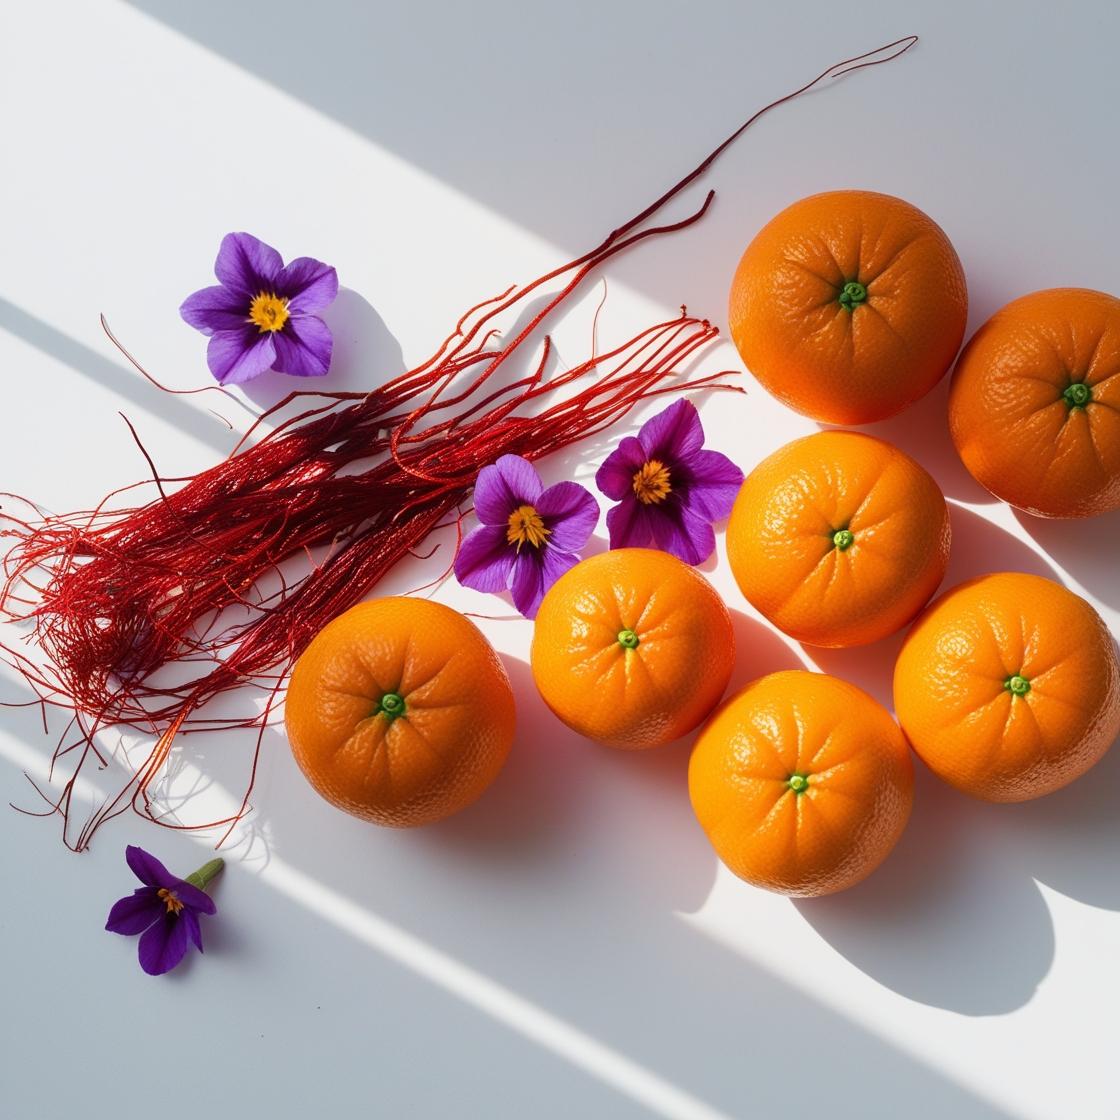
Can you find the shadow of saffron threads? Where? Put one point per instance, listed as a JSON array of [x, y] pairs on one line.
[[121, 593]]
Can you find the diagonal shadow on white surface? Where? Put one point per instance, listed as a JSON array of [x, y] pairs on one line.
[[546, 997], [535, 141], [365, 355], [469, 94], [929, 924], [569, 135], [935, 922], [121, 379]]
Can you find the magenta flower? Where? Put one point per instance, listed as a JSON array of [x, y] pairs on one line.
[[668, 488], [262, 314], [529, 536], [164, 911]]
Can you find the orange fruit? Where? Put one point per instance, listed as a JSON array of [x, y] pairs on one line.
[[1034, 406], [848, 306], [802, 782], [400, 712], [1008, 687], [838, 538], [632, 647]]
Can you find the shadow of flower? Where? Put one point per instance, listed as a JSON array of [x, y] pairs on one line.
[[365, 356]]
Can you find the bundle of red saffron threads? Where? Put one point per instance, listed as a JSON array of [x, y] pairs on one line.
[[115, 596]]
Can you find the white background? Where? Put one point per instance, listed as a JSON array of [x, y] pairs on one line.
[[569, 946]]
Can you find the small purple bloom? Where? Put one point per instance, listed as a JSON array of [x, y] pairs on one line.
[[668, 488], [262, 314], [164, 911], [529, 536]]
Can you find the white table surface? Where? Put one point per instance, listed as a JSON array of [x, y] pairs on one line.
[[569, 946]]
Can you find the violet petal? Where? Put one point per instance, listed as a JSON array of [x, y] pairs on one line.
[[673, 434], [534, 572], [215, 309], [713, 484], [303, 347], [682, 533], [615, 477], [307, 284], [193, 897], [238, 356], [556, 563], [147, 868], [569, 513], [247, 264], [163, 945], [502, 487], [700, 535], [485, 559], [194, 930], [133, 915], [628, 524], [527, 584]]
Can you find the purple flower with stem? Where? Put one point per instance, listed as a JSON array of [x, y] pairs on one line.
[[669, 489], [164, 911], [262, 315], [529, 536]]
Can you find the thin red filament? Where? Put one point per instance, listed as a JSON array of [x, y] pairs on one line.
[[115, 596]]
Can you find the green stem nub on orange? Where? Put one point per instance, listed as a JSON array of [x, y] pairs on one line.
[[843, 539], [799, 783], [1077, 395], [1017, 685], [851, 294], [391, 706], [628, 639]]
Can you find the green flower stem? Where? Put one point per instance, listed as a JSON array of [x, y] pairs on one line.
[[205, 874], [799, 783], [843, 539], [628, 639], [1017, 685]]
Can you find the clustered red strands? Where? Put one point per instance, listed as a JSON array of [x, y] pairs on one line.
[[114, 596]]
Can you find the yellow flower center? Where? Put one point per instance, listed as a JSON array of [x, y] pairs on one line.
[[269, 311], [526, 526], [651, 482], [171, 899]]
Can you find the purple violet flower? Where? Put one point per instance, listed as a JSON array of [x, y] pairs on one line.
[[164, 911], [529, 536], [262, 314], [668, 488]]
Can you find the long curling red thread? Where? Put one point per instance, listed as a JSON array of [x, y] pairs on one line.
[[116, 596]]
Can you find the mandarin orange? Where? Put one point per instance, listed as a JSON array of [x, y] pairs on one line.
[[1034, 406], [838, 538], [1008, 687], [400, 712], [802, 782], [632, 647], [849, 305]]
